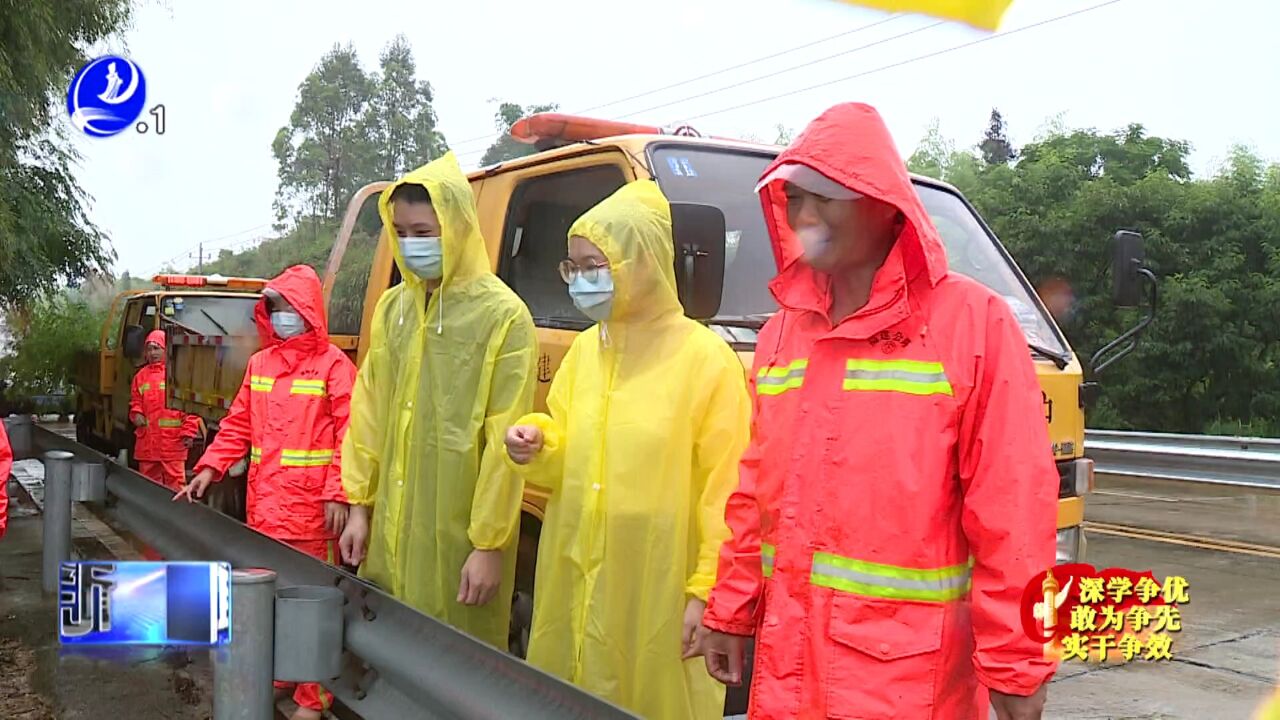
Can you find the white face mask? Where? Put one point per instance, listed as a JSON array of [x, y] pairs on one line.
[[423, 256], [815, 240], [594, 299], [287, 324]]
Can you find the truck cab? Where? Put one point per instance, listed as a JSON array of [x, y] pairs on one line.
[[178, 302]]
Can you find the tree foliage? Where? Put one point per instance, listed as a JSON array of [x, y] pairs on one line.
[[349, 128], [1209, 363], [46, 237], [995, 146], [507, 147]]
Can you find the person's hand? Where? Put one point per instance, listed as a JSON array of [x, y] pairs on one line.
[[196, 488], [481, 576], [138, 419], [523, 443], [187, 442], [1018, 707], [723, 653], [355, 536], [692, 621], [335, 517]]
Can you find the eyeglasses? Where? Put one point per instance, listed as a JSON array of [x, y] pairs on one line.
[[570, 270]]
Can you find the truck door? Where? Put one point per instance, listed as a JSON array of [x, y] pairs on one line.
[[139, 317], [545, 200]]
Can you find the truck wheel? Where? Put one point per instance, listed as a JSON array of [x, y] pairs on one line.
[[522, 596]]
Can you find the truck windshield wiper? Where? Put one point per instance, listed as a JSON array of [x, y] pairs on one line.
[[1060, 360], [215, 322]]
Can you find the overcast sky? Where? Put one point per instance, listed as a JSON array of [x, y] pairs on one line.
[[228, 74]]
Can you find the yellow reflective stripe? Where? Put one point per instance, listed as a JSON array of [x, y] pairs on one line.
[[170, 423], [144, 387], [767, 552], [890, 581], [913, 377], [305, 458], [261, 383], [777, 380], [308, 387], [255, 455]]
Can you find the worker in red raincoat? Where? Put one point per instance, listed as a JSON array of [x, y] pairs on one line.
[[290, 417], [6, 467], [899, 491], [164, 435]]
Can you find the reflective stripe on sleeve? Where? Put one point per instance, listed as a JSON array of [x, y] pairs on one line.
[[259, 383], [767, 552], [913, 377]]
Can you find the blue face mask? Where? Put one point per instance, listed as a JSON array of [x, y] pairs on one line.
[[594, 299], [287, 324], [423, 256]]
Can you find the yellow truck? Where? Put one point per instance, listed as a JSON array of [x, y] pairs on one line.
[[724, 264], [179, 303]]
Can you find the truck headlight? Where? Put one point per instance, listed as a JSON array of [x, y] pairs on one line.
[[1071, 544]]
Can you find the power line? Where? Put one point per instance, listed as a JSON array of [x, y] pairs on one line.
[[784, 71], [908, 61], [705, 76]]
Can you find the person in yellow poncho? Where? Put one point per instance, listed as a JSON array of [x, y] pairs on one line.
[[451, 364], [649, 415]]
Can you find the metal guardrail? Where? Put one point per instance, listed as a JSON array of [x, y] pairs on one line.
[[398, 663], [1239, 461]]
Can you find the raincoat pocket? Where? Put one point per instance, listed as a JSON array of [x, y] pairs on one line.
[[882, 658]]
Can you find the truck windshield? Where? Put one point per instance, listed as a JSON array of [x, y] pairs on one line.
[[726, 178], [210, 314]]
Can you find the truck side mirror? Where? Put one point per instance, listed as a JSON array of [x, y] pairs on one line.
[[1128, 256], [134, 335], [698, 231]]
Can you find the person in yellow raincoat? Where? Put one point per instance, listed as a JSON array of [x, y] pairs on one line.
[[452, 362], [649, 415]]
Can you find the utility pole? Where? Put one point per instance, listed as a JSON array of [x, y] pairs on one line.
[[201, 260]]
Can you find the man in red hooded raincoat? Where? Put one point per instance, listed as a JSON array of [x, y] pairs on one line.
[[290, 417], [899, 490], [163, 435]]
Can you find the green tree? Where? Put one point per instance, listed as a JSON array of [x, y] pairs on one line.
[[320, 152], [1209, 363], [46, 237], [995, 146], [399, 122], [507, 147]]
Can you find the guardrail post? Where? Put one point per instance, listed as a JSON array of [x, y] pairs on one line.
[[243, 672], [57, 517], [18, 428]]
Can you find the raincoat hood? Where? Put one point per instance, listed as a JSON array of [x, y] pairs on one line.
[[156, 337], [851, 145], [465, 256], [301, 288], [632, 228]]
